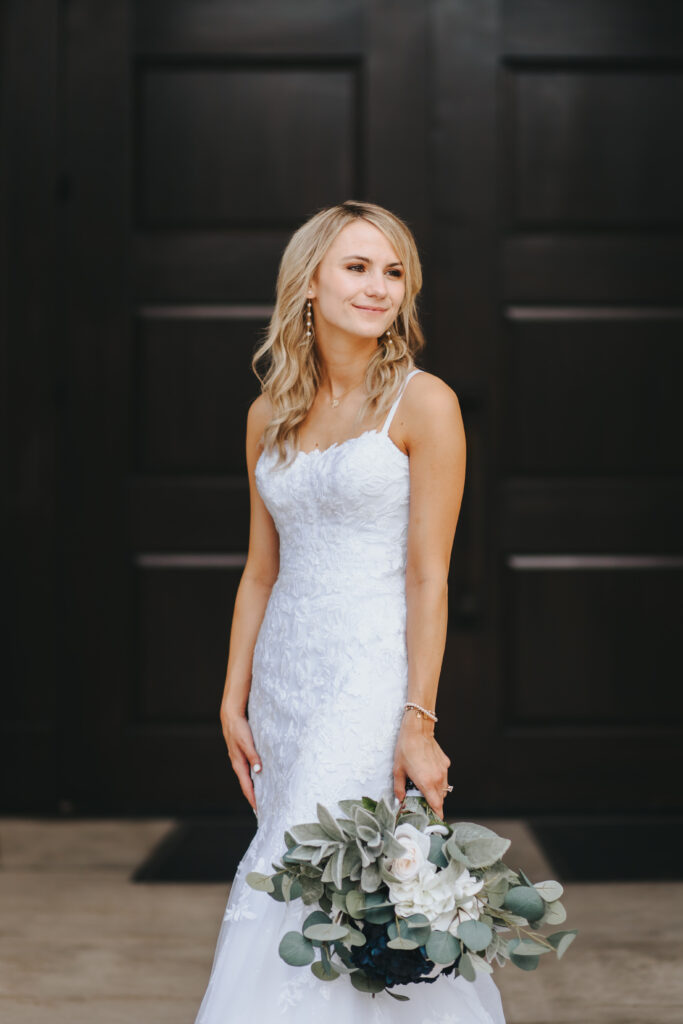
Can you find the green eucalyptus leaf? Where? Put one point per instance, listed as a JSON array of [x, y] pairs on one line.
[[555, 913], [442, 947], [354, 937], [262, 883], [524, 901], [466, 968], [527, 947], [324, 972], [355, 903], [418, 927], [401, 943], [379, 915], [475, 934], [325, 932], [296, 950], [562, 941], [339, 901], [397, 995], [480, 964], [526, 963], [549, 891], [277, 893], [317, 917], [365, 983], [436, 851]]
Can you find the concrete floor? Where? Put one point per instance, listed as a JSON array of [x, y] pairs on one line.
[[80, 944]]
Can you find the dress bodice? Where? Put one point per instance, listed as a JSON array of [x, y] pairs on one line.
[[341, 513]]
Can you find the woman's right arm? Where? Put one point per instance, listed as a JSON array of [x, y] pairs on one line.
[[258, 576]]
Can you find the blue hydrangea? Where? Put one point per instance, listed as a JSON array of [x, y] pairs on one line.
[[392, 966]]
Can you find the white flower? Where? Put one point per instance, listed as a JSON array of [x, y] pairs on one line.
[[430, 893], [416, 845], [468, 906], [445, 897]]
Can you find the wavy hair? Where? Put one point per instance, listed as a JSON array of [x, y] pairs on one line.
[[293, 370]]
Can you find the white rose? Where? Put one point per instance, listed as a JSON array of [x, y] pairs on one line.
[[416, 845], [430, 892]]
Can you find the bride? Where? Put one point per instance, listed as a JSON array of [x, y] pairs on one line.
[[356, 463]]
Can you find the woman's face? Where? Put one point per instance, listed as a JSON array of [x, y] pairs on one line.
[[360, 283]]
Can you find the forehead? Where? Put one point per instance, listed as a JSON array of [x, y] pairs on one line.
[[360, 238]]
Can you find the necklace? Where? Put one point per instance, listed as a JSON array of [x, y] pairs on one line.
[[334, 402]]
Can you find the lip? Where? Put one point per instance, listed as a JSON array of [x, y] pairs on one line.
[[371, 309]]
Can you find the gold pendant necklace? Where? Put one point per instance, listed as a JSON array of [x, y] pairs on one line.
[[334, 402]]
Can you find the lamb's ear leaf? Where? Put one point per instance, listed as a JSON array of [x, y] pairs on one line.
[[328, 822]]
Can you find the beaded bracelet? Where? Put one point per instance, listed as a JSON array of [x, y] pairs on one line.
[[421, 712]]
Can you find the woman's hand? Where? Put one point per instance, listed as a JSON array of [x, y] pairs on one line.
[[240, 743], [420, 758]]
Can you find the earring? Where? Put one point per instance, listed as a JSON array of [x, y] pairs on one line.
[[390, 340], [309, 322]]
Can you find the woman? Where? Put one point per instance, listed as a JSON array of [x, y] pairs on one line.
[[356, 464]]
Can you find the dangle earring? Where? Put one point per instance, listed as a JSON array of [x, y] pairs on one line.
[[309, 323], [389, 340]]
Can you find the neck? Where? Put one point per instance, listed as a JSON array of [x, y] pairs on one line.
[[342, 369]]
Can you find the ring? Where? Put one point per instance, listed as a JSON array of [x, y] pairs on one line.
[[449, 789]]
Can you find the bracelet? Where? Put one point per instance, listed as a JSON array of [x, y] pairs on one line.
[[421, 712]]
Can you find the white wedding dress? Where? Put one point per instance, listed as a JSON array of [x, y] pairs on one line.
[[328, 686]]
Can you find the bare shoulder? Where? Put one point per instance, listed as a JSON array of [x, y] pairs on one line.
[[430, 407], [260, 412], [258, 418]]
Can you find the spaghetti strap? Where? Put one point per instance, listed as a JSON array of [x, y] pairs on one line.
[[390, 415]]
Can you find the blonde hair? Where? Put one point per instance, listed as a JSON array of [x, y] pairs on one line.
[[293, 372]]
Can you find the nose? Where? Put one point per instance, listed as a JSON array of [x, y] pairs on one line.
[[376, 284]]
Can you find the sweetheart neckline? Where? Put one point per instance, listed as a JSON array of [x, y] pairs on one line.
[[340, 444]]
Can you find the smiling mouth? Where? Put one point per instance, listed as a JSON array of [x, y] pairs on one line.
[[371, 309]]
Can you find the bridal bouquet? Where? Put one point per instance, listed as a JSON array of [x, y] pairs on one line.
[[402, 897]]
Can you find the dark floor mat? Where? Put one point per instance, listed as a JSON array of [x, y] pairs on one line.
[[198, 850], [612, 849]]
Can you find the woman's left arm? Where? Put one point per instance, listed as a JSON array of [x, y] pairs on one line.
[[433, 432]]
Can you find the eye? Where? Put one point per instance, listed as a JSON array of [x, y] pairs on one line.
[[356, 266], [396, 273]]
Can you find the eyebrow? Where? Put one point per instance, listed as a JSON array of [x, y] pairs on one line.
[[366, 260]]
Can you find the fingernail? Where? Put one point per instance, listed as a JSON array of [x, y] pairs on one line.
[[257, 767], [255, 812]]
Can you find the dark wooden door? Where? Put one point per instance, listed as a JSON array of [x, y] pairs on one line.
[[201, 136], [160, 161], [559, 211]]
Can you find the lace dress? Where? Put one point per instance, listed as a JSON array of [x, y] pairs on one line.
[[329, 680]]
